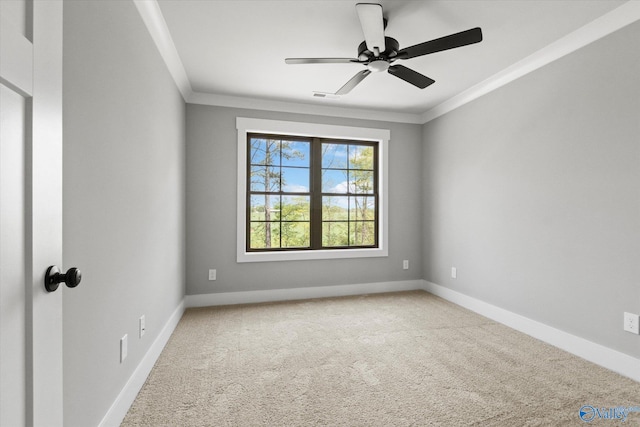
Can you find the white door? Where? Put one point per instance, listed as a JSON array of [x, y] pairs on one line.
[[31, 211]]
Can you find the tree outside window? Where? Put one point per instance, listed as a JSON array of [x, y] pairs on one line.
[[310, 193]]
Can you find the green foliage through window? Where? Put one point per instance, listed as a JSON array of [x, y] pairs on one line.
[[310, 193]]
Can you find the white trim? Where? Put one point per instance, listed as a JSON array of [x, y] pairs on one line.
[[251, 297], [383, 136], [608, 358], [301, 108], [154, 20], [16, 59], [127, 395], [618, 18], [596, 353], [606, 24]]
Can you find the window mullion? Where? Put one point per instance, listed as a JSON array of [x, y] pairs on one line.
[[316, 193]]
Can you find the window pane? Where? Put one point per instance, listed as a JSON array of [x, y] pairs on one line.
[[334, 156], [264, 151], [275, 233], [363, 208], [257, 208], [361, 234], [335, 208], [360, 157], [265, 179], [295, 235], [295, 208], [264, 235], [295, 180], [257, 235], [257, 151], [272, 152], [296, 153], [361, 182], [270, 234], [334, 181], [258, 174], [265, 207], [335, 234]]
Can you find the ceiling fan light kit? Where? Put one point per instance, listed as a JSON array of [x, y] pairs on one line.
[[378, 65], [378, 52]]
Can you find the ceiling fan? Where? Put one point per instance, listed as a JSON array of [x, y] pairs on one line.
[[379, 52]]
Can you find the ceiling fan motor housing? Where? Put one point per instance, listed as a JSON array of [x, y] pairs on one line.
[[392, 48]]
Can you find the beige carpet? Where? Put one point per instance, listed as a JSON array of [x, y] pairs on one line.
[[400, 359]]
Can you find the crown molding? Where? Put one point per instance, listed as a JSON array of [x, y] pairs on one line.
[[300, 108], [618, 18], [152, 16]]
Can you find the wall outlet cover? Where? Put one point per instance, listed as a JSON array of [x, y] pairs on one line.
[[142, 326], [632, 323], [123, 348]]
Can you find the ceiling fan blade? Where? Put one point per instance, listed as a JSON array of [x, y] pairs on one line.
[[372, 23], [410, 76], [320, 60], [353, 82], [452, 41]]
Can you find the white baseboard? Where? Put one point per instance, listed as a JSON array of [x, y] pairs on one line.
[[123, 402], [600, 355], [611, 359], [248, 297]]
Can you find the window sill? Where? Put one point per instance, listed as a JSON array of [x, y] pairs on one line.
[[244, 256]]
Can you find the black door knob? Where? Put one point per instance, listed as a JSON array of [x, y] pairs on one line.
[[53, 278]]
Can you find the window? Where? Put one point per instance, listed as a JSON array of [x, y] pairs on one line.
[[279, 195], [308, 191]]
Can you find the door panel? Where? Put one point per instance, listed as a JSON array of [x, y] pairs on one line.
[[31, 227], [12, 255]]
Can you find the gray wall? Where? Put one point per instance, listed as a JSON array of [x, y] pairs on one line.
[[124, 198], [211, 210], [533, 193]]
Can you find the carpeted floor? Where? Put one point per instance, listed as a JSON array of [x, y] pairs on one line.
[[400, 359]]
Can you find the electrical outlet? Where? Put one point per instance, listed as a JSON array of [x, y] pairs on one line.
[[454, 273], [123, 348], [141, 325], [212, 274], [632, 323], [405, 264]]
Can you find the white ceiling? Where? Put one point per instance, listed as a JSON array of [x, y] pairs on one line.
[[237, 47]]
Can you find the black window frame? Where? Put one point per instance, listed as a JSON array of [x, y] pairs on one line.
[[315, 192]]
